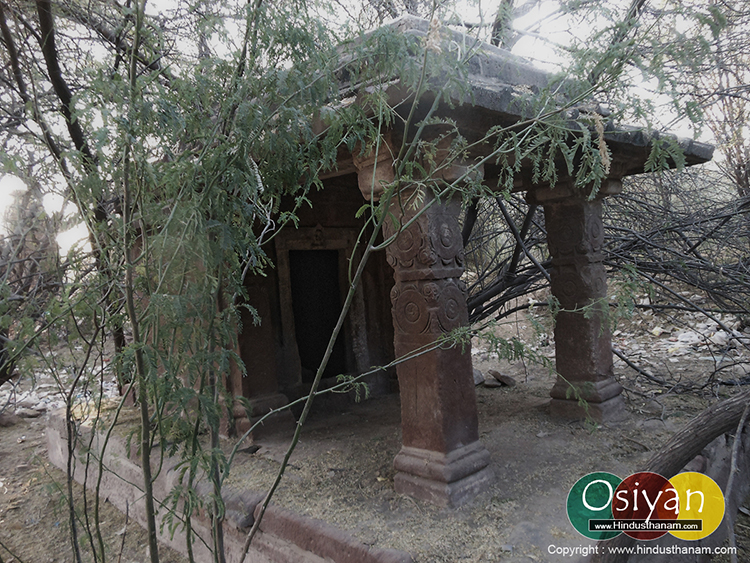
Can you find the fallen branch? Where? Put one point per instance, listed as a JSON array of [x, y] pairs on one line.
[[732, 471], [641, 371], [716, 420]]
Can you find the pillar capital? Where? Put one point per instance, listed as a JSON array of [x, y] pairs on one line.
[[566, 190], [375, 168], [448, 166]]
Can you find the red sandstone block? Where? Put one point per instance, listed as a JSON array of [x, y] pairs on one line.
[[323, 539]]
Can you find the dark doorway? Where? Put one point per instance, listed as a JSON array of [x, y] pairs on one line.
[[316, 302]]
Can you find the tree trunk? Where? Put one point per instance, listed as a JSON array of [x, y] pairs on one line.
[[6, 367]]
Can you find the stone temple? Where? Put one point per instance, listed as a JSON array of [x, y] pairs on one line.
[[411, 294]]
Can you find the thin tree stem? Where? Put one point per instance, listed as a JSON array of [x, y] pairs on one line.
[[140, 363]]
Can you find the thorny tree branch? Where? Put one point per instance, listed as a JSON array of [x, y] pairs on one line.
[[678, 230], [49, 50]]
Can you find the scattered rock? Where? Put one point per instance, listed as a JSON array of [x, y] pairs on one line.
[[478, 377], [506, 380], [489, 382], [689, 337], [27, 413], [720, 338], [28, 402], [7, 420]]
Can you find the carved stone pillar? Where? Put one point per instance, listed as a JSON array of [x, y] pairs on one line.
[[583, 347], [442, 460], [259, 384]]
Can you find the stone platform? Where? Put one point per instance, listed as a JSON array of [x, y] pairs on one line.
[[284, 536]]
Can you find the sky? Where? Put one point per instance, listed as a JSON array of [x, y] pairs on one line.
[[556, 29], [11, 186]]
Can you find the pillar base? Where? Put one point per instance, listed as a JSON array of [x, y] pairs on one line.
[[612, 410], [448, 480], [603, 400], [261, 405]]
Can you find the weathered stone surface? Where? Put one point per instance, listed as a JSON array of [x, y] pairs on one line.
[[321, 539], [492, 382], [478, 377], [374, 171], [503, 379], [442, 460], [585, 385], [8, 419]]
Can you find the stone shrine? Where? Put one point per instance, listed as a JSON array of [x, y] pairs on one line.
[[411, 295]]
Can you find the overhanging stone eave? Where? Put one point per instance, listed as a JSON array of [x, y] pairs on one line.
[[641, 140], [486, 59], [630, 149], [498, 105], [503, 105], [500, 91]]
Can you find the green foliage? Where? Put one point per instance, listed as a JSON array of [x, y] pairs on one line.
[[665, 153], [199, 152], [351, 384]]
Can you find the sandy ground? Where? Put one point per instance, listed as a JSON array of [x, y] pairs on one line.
[[342, 471]]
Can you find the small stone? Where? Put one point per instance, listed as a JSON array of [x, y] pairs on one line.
[[29, 401], [492, 383], [506, 380], [7, 420], [478, 377], [27, 413], [688, 337], [720, 338]]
